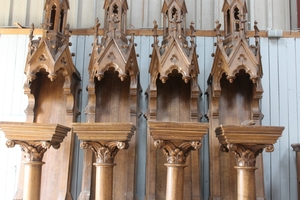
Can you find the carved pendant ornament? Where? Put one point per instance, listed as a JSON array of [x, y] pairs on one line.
[[105, 153], [177, 154], [33, 150]]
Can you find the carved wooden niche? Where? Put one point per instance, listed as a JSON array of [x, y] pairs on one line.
[[173, 96], [52, 87], [113, 91], [234, 92]]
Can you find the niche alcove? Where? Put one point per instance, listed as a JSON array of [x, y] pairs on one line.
[[234, 93], [52, 87], [173, 111], [113, 92]]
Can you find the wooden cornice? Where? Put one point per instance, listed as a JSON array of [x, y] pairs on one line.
[[140, 32]]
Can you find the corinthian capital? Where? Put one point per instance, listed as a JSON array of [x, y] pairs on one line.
[[105, 153], [177, 154], [33, 150], [246, 154]]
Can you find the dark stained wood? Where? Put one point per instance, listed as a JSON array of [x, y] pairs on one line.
[[234, 91], [52, 87], [113, 92], [173, 97], [246, 142]]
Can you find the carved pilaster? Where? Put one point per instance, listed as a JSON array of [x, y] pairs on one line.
[[105, 153]]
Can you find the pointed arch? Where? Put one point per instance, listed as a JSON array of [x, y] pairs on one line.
[[236, 15], [52, 17]]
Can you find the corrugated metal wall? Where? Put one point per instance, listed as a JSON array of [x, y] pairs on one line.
[[281, 79], [281, 82], [277, 14]]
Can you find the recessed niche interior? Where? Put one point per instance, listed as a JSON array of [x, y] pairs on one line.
[[50, 101], [173, 105], [235, 105], [112, 98]]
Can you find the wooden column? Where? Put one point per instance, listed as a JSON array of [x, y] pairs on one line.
[[34, 140], [32, 180], [105, 140], [296, 148], [175, 180], [246, 143], [104, 183], [177, 141]]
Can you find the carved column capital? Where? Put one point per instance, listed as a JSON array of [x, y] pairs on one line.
[[177, 154], [246, 154], [296, 147], [33, 150], [105, 153]]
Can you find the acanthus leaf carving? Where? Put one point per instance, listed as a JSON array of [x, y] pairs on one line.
[[177, 154], [246, 155], [105, 153], [33, 150]]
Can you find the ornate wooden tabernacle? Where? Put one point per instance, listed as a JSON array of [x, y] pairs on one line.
[[173, 96], [234, 91], [52, 88], [112, 95]]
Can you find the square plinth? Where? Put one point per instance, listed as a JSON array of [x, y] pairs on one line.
[[117, 131], [177, 131], [239, 134]]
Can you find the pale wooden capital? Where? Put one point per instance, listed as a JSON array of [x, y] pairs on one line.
[[105, 153]]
